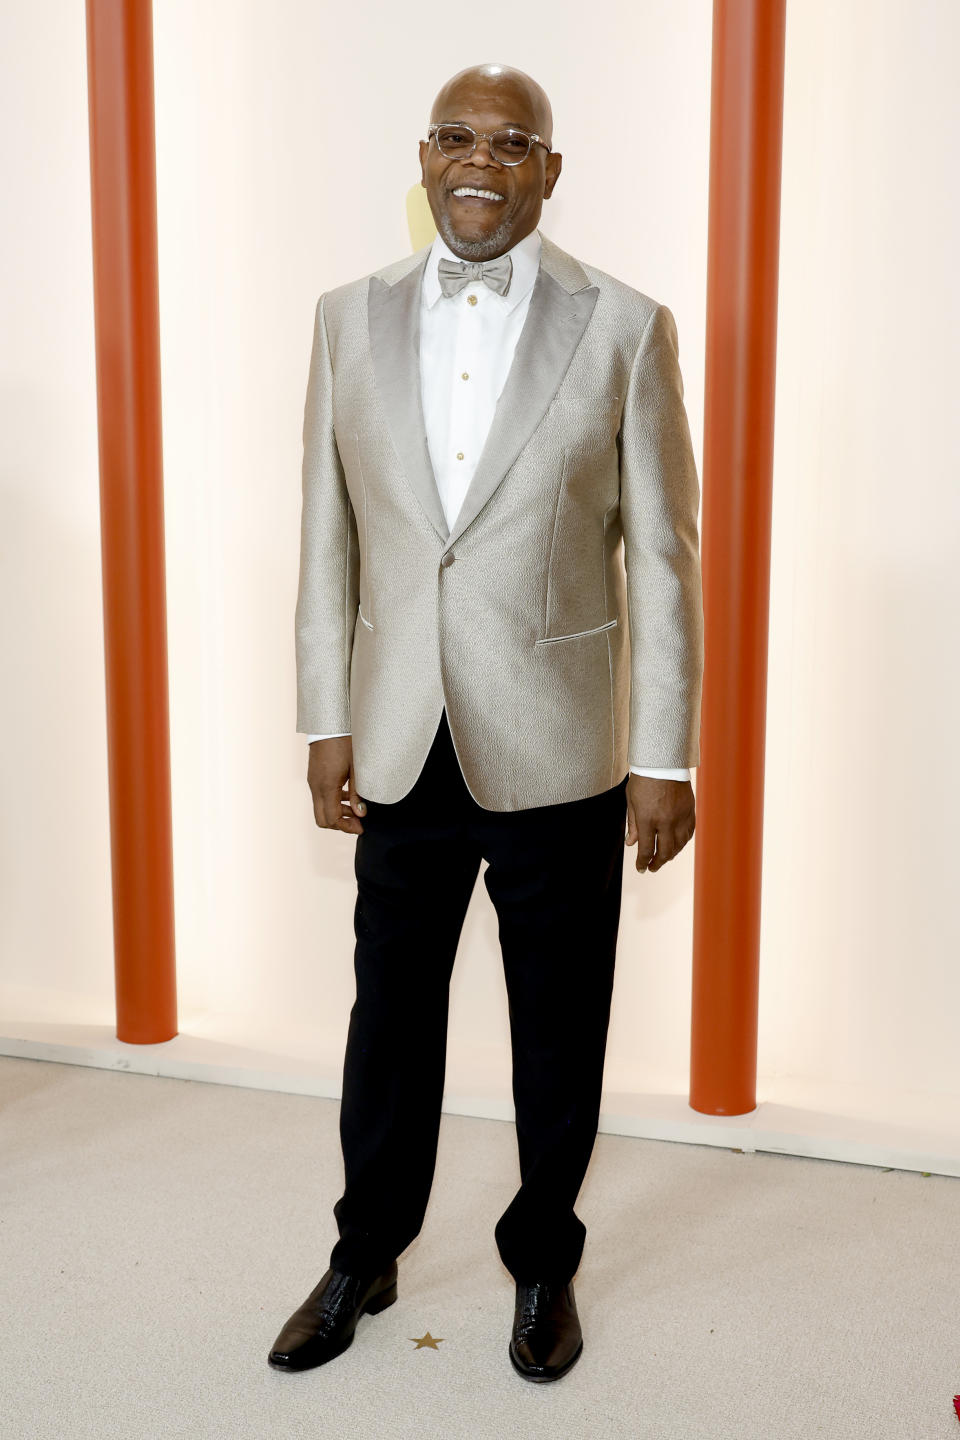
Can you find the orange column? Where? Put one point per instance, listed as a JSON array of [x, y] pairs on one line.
[[126, 311], [743, 257]]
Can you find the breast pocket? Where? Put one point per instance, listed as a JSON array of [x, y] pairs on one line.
[[574, 414]]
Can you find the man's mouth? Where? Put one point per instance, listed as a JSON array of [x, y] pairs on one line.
[[469, 192]]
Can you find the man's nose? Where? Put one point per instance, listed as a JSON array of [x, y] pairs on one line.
[[482, 152]]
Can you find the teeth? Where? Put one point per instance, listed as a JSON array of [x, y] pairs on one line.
[[483, 194]]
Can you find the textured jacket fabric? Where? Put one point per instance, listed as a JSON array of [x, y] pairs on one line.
[[560, 620]]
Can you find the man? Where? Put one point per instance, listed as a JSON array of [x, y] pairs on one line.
[[489, 673]]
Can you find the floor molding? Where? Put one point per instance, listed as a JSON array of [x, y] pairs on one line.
[[803, 1129]]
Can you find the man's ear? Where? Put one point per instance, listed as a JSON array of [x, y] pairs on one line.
[[554, 166], [424, 149]]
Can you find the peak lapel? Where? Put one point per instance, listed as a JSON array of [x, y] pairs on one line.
[[561, 304], [560, 307], [393, 319]]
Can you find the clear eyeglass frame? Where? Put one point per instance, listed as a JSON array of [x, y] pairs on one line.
[[485, 135]]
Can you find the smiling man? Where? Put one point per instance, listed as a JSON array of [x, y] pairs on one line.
[[499, 644], [483, 206]]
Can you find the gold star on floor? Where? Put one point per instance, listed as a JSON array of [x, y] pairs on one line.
[[427, 1340]]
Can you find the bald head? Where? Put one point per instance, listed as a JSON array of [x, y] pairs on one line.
[[534, 112]]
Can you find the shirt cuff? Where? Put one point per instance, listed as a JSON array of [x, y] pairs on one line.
[[661, 774], [311, 738]]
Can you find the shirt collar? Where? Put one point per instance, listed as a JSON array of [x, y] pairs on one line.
[[526, 262]]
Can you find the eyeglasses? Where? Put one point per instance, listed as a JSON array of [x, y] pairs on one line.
[[508, 146]]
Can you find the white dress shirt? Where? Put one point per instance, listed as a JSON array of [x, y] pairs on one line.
[[467, 342]]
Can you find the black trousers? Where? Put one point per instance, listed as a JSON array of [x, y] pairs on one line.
[[554, 875]]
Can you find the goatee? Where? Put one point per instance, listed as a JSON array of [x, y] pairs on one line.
[[494, 244]]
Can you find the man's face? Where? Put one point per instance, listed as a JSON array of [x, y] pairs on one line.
[[475, 227]]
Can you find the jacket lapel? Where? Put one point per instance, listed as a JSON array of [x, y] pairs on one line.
[[393, 318], [561, 304]]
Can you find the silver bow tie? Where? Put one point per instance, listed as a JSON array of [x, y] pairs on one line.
[[455, 274]]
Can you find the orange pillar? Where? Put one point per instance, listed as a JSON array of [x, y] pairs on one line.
[[126, 312], [743, 257]]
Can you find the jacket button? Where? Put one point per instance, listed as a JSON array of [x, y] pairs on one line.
[[447, 559]]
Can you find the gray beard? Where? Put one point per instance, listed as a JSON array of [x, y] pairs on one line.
[[495, 244]]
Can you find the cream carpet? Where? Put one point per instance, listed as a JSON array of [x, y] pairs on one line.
[[156, 1233]]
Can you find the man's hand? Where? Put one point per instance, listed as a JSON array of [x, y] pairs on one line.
[[661, 814], [329, 774]]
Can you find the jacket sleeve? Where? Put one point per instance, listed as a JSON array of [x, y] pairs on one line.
[[659, 504], [328, 591]]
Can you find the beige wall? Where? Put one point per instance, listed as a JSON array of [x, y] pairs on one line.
[[258, 213], [861, 936]]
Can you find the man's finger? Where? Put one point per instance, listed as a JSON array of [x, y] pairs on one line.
[[667, 847], [348, 822], [345, 817], [646, 844], [320, 809], [330, 808], [356, 804]]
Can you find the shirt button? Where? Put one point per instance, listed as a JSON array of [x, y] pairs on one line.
[[471, 299], [459, 454], [464, 376]]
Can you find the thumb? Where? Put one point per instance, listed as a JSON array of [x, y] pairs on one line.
[[631, 836], [356, 804]]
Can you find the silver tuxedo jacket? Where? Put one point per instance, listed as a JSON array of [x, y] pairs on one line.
[[560, 621]]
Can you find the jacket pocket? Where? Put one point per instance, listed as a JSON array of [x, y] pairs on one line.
[[576, 600], [576, 634]]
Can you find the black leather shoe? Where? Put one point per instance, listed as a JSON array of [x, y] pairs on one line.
[[547, 1339], [324, 1325]]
